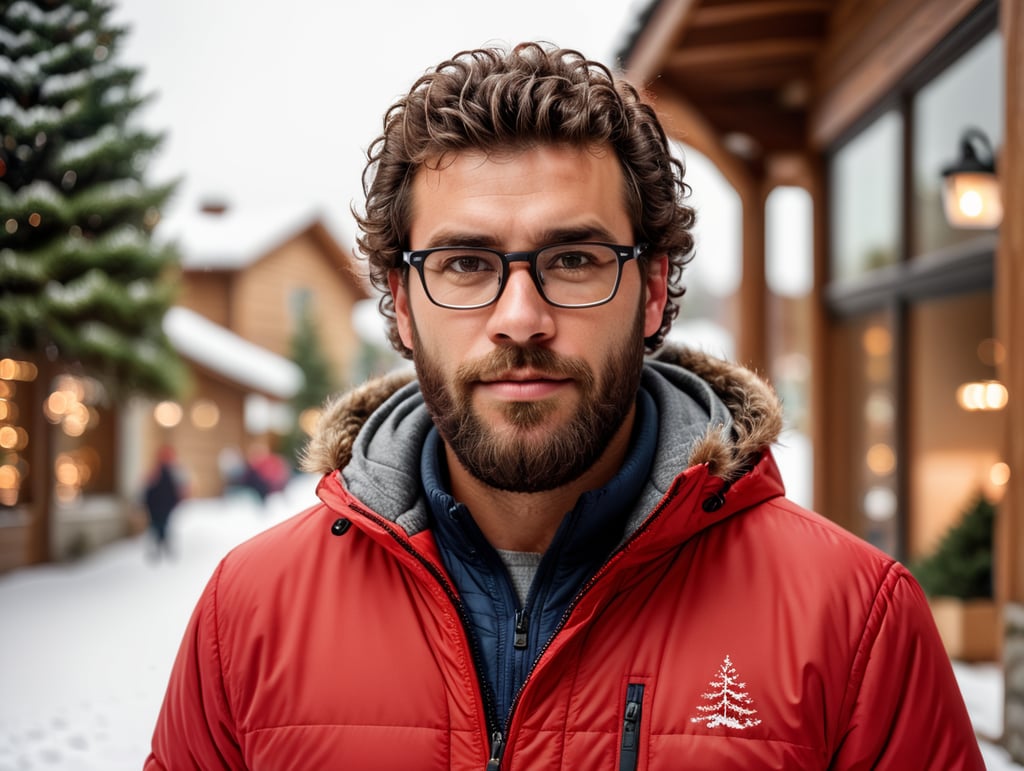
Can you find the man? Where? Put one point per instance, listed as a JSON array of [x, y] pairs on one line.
[[547, 552]]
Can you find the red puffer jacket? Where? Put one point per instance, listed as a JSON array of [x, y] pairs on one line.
[[736, 631]]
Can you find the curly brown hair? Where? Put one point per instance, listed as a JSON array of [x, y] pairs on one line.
[[496, 99]]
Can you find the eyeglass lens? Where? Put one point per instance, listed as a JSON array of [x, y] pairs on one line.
[[567, 274]]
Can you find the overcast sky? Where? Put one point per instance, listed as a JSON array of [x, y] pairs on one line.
[[271, 106]]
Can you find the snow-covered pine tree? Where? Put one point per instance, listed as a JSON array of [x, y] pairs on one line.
[[728, 704], [79, 273], [83, 287]]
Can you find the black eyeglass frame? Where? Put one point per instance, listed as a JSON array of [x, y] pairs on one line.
[[415, 259]]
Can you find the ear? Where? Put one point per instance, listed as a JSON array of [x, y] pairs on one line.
[[403, 315], [657, 294]]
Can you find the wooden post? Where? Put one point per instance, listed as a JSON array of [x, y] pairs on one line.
[[1010, 330]]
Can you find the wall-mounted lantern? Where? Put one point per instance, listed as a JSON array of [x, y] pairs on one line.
[[970, 195]]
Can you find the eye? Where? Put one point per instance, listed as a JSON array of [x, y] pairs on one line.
[[466, 264], [462, 263], [572, 258]]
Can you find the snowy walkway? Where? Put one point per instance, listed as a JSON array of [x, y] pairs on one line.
[[86, 648]]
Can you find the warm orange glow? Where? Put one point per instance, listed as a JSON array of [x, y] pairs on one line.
[[205, 414], [66, 470], [57, 404], [34, 219], [982, 396], [877, 341], [972, 200], [10, 479], [167, 414], [999, 474], [73, 426], [8, 438], [12, 369], [881, 459]]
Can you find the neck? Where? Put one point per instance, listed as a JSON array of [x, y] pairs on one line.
[[517, 521]]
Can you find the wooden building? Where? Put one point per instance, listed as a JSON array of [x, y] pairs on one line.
[[246, 284], [864, 104]]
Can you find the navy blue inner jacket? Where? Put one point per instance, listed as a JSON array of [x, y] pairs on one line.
[[585, 538]]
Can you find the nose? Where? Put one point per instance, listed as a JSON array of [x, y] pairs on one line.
[[520, 315]]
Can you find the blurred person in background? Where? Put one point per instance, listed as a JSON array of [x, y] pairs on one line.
[[165, 488], [553, 548]]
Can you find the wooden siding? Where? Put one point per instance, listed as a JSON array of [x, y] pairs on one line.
[[207, 293], [870, 45], [263, 308]]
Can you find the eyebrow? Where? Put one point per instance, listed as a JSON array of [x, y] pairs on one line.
[[560, 235]]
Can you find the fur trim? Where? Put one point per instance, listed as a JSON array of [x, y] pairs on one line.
[[755, 409], [757, 417], [343, 415]]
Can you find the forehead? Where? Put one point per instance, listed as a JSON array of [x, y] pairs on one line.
[[514, 197]]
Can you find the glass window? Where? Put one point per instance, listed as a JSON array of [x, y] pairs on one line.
[[789, 272], [969, 94], [709, 312], [865, 186], [955, 424], [863, 476]]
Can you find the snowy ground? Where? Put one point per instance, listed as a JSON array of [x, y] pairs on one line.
[[85, 649]]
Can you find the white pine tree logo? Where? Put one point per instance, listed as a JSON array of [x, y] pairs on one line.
[[728, 703]]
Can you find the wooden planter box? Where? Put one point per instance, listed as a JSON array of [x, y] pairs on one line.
[[969, 628]]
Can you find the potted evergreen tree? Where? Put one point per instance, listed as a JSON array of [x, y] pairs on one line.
[[957, 577]]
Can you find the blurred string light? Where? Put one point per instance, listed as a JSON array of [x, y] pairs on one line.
[[73, 471], [982, 396], [12, 369], [168, 414], [999, 474], [205, 414], [14, 438], [71, 405]]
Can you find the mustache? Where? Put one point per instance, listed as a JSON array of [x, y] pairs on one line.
[[509, 357]]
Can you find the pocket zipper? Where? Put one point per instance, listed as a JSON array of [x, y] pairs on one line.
[[629, 750]]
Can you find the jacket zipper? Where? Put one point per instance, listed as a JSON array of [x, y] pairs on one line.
[[629, 750], [494, 764], [490, 710], [498, 733]]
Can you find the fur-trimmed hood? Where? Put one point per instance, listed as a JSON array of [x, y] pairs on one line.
[[753, 405]]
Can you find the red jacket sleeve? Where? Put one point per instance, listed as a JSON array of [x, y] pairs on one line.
[[195, 729], [904, 704]]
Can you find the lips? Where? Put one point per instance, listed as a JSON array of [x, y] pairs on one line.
[[523, 386], [522, 377]]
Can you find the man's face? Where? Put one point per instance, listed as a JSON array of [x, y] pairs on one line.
[[528, 396]]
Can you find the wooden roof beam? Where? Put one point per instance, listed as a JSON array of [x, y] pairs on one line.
[[721, 15], [734, 54], [666, 26]]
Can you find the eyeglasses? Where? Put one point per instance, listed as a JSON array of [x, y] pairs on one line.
[[579, 275]]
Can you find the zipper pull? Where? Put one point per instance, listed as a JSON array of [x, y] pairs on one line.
[[629, 751], [522, 626], [497, 748]]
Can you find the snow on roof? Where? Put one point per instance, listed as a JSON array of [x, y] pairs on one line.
[[222, 351], [234, 239]]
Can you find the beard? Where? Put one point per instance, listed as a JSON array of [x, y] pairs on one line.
[[520, 458]]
